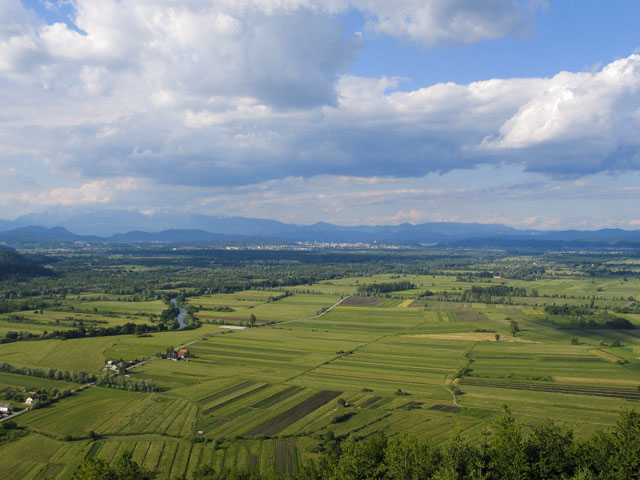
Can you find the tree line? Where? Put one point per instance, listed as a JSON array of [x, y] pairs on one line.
[[385, 287], [76, 376], [114, 380]]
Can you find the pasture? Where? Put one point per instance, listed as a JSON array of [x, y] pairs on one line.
[[425, 360]]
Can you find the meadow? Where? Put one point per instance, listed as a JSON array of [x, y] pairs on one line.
[[425, 360]]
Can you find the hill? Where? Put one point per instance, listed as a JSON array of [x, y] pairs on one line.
[[15, 264]]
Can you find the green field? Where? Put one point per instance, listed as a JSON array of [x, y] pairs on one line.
[[424, 360]]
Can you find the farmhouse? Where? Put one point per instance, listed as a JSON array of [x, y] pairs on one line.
[[5, 407], [29, 400], [178, 354]]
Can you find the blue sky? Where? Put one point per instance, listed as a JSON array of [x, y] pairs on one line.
[[519, 112]]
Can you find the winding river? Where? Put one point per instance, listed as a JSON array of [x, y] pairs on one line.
[[181, 315]]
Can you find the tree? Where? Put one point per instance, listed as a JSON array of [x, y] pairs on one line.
[[94, 469], [507, 449], [362, 459], [550, 451], [252, 319], [514, 328], [407, 458], [459, 459], [626, 435], [497, 337], [124, 469]]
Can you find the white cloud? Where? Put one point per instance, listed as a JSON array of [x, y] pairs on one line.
[[448, 21], [239, 92]]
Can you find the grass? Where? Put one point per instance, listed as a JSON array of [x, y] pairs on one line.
[[284, 380]]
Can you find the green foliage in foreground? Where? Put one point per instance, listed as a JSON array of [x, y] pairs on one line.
[[548, 452], [124, 468]]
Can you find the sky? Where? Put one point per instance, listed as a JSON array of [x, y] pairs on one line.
[[525, 113]]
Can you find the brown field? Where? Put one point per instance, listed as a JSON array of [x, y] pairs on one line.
[[284, 458], [471, 336], [281, 457], [291, 416], [446, 408], [606, 355], [610, 381]]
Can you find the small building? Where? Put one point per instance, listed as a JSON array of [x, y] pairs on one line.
[[183, 353], [5, 407], [29, 400]]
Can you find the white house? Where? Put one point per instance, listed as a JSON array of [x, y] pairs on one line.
[[5, 407]]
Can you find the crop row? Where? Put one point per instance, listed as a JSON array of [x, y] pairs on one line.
[[224, 393], [370, 402], [555, 388], [278, 397], [235, 399], [567, 358], [298, 412], [286, 457]]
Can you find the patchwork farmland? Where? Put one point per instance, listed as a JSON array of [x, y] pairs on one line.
[[423, 360]]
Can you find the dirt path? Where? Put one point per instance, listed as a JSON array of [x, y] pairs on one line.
[[453, 395]]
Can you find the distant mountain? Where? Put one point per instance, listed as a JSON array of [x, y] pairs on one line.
[[107, 223], [44, 234], [170, 236], [127, 227], [538, 243], [11, 225]]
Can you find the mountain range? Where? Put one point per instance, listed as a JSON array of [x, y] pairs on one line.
[[118, 226]]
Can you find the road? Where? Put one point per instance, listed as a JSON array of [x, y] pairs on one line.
[[314, 316]]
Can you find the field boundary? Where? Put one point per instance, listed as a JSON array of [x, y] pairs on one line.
[[324, 312]]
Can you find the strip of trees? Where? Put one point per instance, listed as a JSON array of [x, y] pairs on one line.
[[114, 380]]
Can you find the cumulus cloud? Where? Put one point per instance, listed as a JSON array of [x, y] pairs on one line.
[[239, 92], [433, 22]]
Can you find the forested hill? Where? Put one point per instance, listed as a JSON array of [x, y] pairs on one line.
[[14, 264]]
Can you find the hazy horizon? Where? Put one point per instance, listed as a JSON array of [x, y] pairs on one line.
[[351, 112]]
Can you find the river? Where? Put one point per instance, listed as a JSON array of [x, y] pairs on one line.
[[181, 315]]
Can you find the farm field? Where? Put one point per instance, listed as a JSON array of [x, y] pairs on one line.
[[425, 360]]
